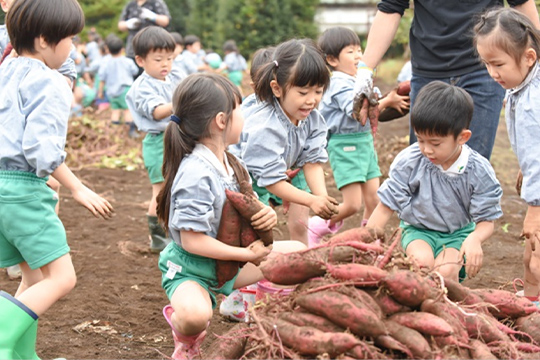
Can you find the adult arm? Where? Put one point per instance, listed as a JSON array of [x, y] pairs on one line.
[[528, 8], [380, 37]]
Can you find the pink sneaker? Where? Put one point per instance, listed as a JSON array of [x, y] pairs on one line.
[[318, 227], [185, 347]]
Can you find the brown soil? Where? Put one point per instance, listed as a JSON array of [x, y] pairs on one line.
[[115, 310]]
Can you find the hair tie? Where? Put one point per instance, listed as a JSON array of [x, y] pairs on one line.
[[175, 119], [275, 62]]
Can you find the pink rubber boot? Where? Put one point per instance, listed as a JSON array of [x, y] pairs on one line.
[[185, 347], [318, 227]]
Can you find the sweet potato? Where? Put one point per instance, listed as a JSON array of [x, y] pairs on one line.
[[248, 206], [388, 342], [464, 295], [356, 272], [228, 233], [248, 235], [366, 299], [480, 351], [530, 324], [232, 348], [407, 287], [307, 319], [343, 311], [444, 311], [292, 268], [423, 322], [311, 341], [411, 339], [387, 304], [484, 327], [508, 304]]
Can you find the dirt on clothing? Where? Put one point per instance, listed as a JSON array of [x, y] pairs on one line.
[[114, 312]]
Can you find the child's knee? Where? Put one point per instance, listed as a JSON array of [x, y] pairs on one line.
[[195, 319], [67, 282], [449, 271]]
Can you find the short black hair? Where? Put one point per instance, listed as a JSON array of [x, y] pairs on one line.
[[54, 20], [260, 58], [152, 38], [114, 44], [190, 40], [178, 39], [335, 39], [442, 109]]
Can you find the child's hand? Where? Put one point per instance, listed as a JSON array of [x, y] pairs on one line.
[[531, 226], [265, 219], [93, 202], [259, 252], [398, 102], [324, 206], [472, 250]]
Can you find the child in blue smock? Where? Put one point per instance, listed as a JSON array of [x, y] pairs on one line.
[[34, 107], [350, 144], [149, 100], [198, 170], [509, 44], [116, 77], [445, 193], [234, 63], [285, 130]]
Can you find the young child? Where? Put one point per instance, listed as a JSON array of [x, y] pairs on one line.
[[198, 170], [234, 63], [34, 107], [285, 130], [350, 144], [149, 101], [509, 45], [193, 62], [116, 77], [179, 62], [445, 193]]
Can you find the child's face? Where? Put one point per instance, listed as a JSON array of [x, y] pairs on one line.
[[178, 49], [54, 56], [235, 127], [298, 102], [157, 63], [348, 59], [195, 47], [502, 67], [442, 150]]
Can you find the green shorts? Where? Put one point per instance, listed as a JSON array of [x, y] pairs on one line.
[[177, 266], [236, 77], [30, 230], [436, 239], [353, 158], [265, 196], [152, 151], [119, 102]]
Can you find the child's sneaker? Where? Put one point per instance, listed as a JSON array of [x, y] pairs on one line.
[[318, 227], [185, 347], [233, 307], [249, 294]]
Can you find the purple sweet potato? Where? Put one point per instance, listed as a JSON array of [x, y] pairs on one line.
[[343, 311], [407, 287], [248, 206]]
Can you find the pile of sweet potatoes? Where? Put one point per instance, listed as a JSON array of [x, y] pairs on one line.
[[358, 298]]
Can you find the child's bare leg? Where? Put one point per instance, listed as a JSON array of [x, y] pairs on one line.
[[192, 308], [156, 188], [115, 116], [369, 190], [29, 278], [250, 273], [448, 264], [297, 220], [58, 280], [422, 252], [352, 202], [531, 266], [127, 116]]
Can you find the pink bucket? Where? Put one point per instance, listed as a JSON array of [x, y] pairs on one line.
[[265, 287]]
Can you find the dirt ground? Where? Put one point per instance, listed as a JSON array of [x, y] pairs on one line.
[[115, 310]]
